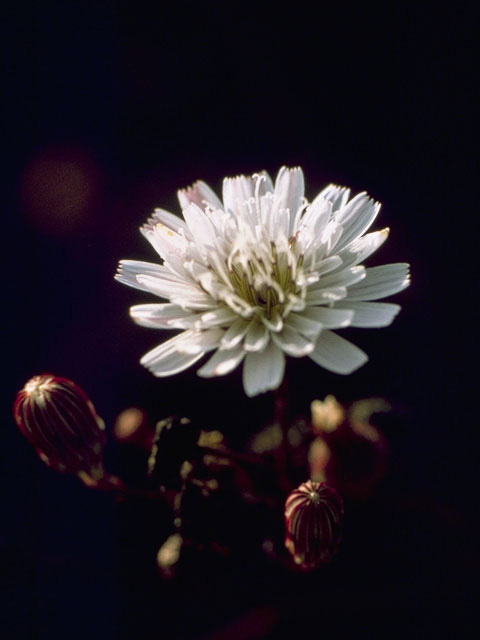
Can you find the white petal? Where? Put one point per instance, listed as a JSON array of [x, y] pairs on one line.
[[218, 317], [164, 348], [200, 225], [218, 265], [261, 183], [128, 270], [337, 196], [164, 240], [168, 285], [325, 296], [263, 371], [257, 337], [308, 327], [266, 184], [201, 341], [166, 359], [210, 284], [173, 363], [370, 314], [167, 288], [330, 318], [158, 316], [355, 218], [237, 304], [200, 194], [381, 282], [328, 264], [329, 238], [289, 190], [234, 334], [170, 220], [343, 278], [294, 303], [222, 362], [352, 208], [362, 248], [312, 225], [278, 223], [191, 321], [180, 264], [337, 354], [148, 316], [293, 343], [194, 301], [274, 322], [236, 191]]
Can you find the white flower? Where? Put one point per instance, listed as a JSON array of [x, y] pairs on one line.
[[261, 275]]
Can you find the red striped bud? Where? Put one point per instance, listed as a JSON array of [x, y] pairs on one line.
[[61, 423], [313, 518]]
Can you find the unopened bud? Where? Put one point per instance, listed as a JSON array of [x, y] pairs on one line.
[[132, 427], [313, 518], [169, 554], [61, 423], [327, 415]]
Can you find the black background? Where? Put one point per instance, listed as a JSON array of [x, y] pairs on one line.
[[146, 98]]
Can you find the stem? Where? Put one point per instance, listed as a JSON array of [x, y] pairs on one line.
[[284, 460]]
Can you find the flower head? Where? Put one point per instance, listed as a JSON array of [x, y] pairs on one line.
[[261, 275], [60, 421], [313, 518]]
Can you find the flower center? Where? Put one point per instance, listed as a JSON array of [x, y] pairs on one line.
[[267, 276]]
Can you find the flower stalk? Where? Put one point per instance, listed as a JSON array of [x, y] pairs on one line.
[[283, 454]]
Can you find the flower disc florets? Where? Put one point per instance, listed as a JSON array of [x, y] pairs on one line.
[[262, 274]]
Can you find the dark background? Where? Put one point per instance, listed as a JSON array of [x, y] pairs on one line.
[[112, 106]]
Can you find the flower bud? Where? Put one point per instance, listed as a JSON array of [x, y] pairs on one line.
[[168, 555], [132, 427], [60, 421], [327, 415], [313, 518]]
